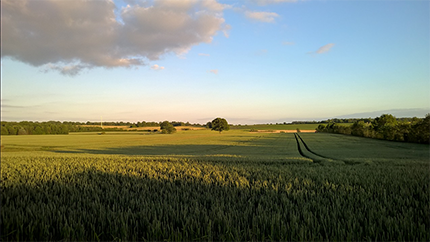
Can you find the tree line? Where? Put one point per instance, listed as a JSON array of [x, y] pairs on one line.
[[50, 127], [387, 127], [57, 127], [28, 128], [138, 124]]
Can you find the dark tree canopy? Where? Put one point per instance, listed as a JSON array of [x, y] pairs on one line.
[[220, 124], [167, 128], [416, 130]]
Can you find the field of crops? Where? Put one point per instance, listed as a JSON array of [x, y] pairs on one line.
[[202, 185], [278, 126]]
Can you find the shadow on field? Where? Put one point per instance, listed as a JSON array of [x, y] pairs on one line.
[[157, 204], [153, 150], [249, 147], [95, 205]]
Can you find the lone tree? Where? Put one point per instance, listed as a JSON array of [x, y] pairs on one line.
[[167, 128], [220, 124]]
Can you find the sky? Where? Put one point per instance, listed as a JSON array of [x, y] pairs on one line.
[[255, 61]]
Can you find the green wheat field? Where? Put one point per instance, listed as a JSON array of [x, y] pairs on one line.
[[200, 185]]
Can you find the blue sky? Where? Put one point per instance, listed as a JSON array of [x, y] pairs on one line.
[[250, 62]]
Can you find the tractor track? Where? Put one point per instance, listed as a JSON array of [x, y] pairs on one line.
[[300, 149], [298, 139]]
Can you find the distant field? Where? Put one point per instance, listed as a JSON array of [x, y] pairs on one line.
[[278, 126], [194, 143], [202, 185], [125, 127]]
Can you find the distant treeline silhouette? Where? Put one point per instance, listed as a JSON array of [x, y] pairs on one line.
[[387, 127], [56, 127], [51, 127], [347, 120]]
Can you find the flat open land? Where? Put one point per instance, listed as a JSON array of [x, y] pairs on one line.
[[125, 127], [202, 185]]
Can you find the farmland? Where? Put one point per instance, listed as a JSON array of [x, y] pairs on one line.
[[202, 185]]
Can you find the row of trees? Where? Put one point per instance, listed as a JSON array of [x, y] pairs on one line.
[[137, 124], [334, 120], [56, 127], [346, 121], [24, 128], [218, 124], [51, 127], [416, 130]]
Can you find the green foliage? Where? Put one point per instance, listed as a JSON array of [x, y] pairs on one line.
[[209, 125], [420, 131], [220, 124], [385, 127], [321, 128], [167, 128], [4, 130], [29, 128]]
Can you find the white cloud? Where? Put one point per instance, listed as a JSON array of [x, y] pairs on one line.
[[70, 36], [226, 30], [324, 48], [157, 67], [267, 17], [214, 71]]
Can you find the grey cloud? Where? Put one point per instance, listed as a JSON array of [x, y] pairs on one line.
[[11, 106], [68, 70], [70, 36], [324, 49]]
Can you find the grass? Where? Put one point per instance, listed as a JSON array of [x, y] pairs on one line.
[[201, 185], [196, 143], [359, 149]]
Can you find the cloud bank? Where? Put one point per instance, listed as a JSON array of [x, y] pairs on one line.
[[71, 36]]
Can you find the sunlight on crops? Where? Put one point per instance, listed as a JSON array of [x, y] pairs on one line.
[[235, 193]]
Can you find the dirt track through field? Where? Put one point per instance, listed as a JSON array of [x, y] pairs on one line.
[[300, 149], [297, 136]]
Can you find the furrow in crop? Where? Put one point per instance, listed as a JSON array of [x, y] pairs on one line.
[[300, 149], [322, 156]]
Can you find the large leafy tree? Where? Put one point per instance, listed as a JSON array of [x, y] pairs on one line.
[[167, 128], [386, 126], [220, 124]]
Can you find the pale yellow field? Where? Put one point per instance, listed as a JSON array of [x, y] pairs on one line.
[[125, 127]]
